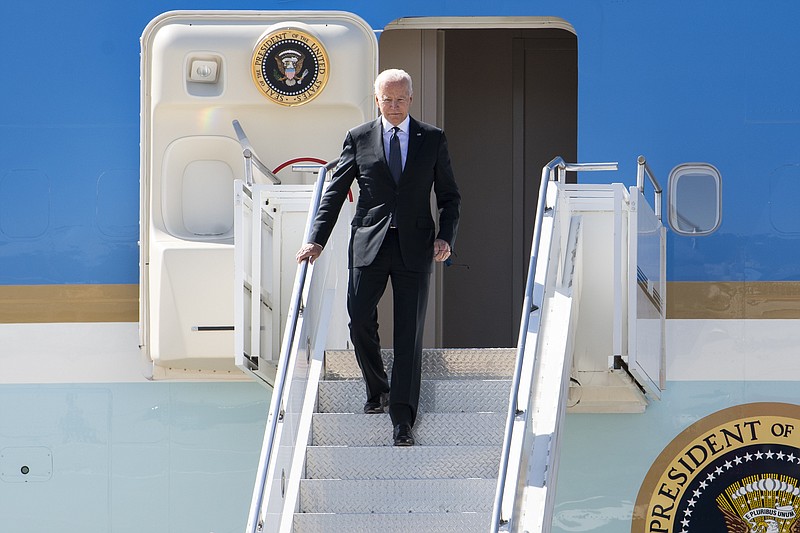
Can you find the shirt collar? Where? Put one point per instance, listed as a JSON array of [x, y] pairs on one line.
[[387, 126]]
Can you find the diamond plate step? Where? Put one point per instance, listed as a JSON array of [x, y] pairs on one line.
[[356, 481], [477, 363], [396, 495], [391, 462], [453, 396], [431, 429], [392, 523]]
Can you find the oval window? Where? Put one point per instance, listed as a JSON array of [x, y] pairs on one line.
[[695, 199]]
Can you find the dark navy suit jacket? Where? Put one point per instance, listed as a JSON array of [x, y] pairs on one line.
[[427, 167]]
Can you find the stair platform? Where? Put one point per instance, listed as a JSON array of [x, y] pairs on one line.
[[454, 363]]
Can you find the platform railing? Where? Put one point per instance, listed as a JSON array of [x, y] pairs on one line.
[[251, 159], [504, 498], [642, 170]]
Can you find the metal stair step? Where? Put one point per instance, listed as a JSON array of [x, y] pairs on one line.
[[396, 495], [392, 462], [392, 523], [451, 363], [430, 429], [442, 396], [356, 481]]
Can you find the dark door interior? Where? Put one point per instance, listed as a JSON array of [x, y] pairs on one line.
[[510, 106]]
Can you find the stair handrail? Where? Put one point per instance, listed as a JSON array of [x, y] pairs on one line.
[[250, 158], [529, 306], [642, 170], [287, 356]]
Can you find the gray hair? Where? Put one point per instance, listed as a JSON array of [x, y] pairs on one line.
[[394, 75]]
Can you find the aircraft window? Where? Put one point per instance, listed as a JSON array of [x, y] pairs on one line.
[[695, 199]]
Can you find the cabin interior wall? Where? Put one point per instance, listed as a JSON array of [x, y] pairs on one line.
[[416, 52], [510, 107]]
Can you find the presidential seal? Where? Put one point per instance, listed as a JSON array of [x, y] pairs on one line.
[[735, 471], [290, 67]]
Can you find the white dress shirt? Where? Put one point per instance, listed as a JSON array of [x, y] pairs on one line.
[[402, 134]]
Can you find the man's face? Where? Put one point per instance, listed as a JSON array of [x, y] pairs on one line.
[[394, 100]]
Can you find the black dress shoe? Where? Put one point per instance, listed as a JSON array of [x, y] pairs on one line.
[[403, 435], [375, 407]]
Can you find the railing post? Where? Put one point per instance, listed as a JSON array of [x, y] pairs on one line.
[[642, 169], [250, 158]]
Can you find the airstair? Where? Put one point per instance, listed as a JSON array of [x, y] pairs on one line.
[[489, 428]]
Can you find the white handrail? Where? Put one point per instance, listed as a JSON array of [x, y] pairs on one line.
[[529, 306], [642, 170], [250, 158], [286, 361]]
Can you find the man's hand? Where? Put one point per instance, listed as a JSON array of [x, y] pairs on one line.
[[441, 250], [310, 251]]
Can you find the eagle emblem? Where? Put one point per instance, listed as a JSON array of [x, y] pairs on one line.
[[734, 471], [737, 524], [761, 504], [290, 62], [290, 66]]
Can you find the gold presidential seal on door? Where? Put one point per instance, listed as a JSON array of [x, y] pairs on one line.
[[290, 67], [734, 471]]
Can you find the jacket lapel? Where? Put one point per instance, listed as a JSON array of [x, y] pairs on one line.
[[415, 138], [376, 140]]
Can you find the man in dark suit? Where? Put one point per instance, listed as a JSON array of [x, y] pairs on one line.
[[397, 161]]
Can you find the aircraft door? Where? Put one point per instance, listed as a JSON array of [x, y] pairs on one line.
[[296, 81]]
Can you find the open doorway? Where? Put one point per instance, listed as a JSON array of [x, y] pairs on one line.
[[507, 97]]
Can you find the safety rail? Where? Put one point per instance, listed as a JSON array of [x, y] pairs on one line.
[[251, 159], [531, 304], [642, 170], [286, 361]]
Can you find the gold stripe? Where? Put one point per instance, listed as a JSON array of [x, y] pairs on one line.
[[120, 303], [68, 303], [733, 300]]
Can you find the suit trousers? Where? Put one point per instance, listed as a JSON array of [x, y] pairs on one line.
[[366, 285]]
